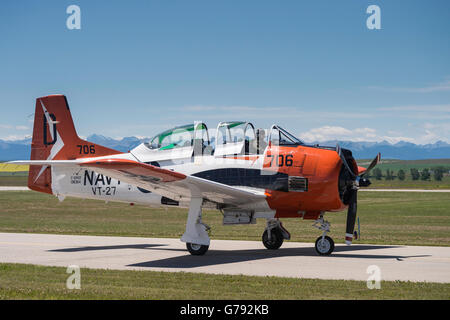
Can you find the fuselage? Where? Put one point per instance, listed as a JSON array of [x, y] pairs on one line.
[[298, 180]]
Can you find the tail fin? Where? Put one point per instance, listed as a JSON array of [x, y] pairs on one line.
[[55, 138]]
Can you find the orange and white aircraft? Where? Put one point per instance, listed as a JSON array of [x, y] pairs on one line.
[[243, 172]]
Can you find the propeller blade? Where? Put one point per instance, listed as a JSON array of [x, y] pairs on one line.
[[351, 217], [344, 161], [372, 165]]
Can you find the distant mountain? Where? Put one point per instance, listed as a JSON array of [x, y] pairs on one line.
[[20, 149], [124, 145], [15, 150], [401, 150]]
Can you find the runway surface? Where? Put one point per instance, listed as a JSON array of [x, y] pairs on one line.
[[293, 259], [14, 188]]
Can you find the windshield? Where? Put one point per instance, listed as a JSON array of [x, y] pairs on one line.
[[279, 136]]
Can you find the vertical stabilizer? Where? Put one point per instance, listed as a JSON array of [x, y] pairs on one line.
[[55, 138]]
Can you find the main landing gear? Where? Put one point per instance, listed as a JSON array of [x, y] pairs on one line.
[[196, 234], [274, 234], [196, 249], [324, 244]]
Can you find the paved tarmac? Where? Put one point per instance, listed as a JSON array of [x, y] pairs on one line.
[[293, 259], [13, 188]]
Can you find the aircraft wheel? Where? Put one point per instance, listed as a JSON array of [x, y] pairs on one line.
[[276, 239], [196, 249], [325, 246]]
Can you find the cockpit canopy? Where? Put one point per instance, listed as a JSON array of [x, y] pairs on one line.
[[233, 132], [180, 137], [233, 137]]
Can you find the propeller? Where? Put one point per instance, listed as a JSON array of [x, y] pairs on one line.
[[352, 189], [351, 216]]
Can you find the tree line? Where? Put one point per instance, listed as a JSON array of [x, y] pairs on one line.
[[425, 174]]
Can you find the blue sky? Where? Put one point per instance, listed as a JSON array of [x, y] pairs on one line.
[[313, 67]]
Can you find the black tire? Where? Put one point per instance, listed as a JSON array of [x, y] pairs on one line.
[[325, 247], [276, 239], [196, 249]]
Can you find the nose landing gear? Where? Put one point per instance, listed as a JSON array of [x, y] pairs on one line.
[[324, 245]]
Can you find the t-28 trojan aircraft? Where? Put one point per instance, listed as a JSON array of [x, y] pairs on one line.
[[243, 172]]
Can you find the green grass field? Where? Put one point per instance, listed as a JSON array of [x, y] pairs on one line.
[[386, 218], [13, 180], [13, 175], [408, 183], [407, 165], [19, 281]]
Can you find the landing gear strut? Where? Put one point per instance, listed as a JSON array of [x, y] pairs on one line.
[[274, 234], [324, 244], [196, 234]]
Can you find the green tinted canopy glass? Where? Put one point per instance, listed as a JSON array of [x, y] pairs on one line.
[[177, 137]]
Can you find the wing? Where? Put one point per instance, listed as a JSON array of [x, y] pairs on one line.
[[171, 184]]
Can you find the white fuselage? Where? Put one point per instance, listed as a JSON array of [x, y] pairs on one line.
[[78, 182]]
